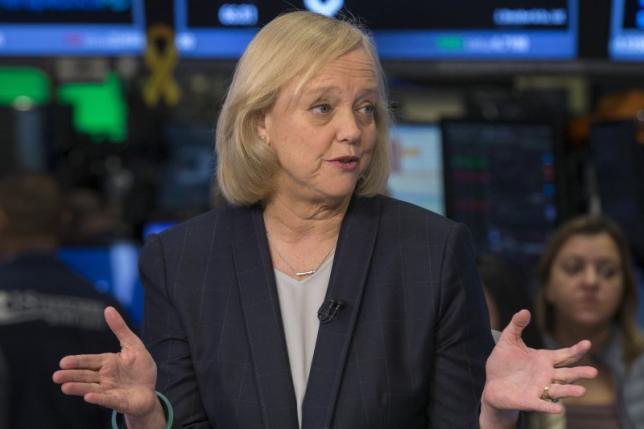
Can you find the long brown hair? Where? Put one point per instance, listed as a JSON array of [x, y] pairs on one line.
[[625, 317]]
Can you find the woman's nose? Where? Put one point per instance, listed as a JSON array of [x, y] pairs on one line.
[[349, 129], [591, 276]]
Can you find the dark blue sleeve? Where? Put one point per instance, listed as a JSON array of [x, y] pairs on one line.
[[166, 340], [463, 340]]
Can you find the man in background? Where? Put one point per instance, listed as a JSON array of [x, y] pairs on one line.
[[46, 311]]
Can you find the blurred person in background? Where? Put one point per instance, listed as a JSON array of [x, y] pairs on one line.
[[588, 290], [46, 311], [4, 391], [505, 295], [89, 221]]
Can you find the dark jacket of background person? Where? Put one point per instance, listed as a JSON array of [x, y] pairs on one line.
[[4, 391], [406, 350], [46, 311]]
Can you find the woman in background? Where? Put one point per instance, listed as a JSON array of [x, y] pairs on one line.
[[588, 291]]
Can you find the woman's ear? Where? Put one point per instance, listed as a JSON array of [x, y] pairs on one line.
[[262, 131]]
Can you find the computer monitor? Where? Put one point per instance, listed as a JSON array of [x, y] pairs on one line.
[[187, 174], [68, 27], [408, 30], [626, 40], [501, 180], [417, 165], [618, 161], [111, 269]]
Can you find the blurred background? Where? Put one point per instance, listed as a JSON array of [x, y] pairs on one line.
[[512, 116]]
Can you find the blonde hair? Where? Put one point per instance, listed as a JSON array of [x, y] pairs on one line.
[[626, 315], [294, 45]]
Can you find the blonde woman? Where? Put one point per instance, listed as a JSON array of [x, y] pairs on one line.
[[312, 301]]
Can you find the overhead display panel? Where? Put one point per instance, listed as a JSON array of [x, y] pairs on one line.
[[408, 30], [71, 27], [627, 30]]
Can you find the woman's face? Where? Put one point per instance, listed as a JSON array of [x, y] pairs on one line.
[[586, 282], [324, 135]]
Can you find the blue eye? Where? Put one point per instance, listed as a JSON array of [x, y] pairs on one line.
[[322, 108], [369, 109]]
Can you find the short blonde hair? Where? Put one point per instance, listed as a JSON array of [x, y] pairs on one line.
[[296, 44]]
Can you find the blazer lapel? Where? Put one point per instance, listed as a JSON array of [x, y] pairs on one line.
[[348, 277], [260, 307]]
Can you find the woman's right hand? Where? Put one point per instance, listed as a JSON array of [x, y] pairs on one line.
[[123, 381]]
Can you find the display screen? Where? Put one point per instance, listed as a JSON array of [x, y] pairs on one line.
[[417, 165], [100, 108], [71, 27], [111, 269], [500, 181], [187, 174], [618, 161], [410, 29], [627, 30]]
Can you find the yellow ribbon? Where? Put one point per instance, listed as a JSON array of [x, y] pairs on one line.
[[161, 62]]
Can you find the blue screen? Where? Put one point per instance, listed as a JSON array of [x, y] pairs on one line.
[[112, 269], [410, 29], [627, 30], [71, 27]]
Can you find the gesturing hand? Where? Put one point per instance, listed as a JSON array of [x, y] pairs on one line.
[[123, 381], [517, 375]]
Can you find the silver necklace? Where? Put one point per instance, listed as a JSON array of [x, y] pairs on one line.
[[307, 272]]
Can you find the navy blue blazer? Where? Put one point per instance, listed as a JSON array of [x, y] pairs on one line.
[[407, 350]]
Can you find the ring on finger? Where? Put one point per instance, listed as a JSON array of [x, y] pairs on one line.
[[546, 395]]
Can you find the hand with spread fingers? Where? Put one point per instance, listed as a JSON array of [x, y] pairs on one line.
[[526, 379], [123, 381]]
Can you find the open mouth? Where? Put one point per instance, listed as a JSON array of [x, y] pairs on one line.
[[346, 159], [346, 163]]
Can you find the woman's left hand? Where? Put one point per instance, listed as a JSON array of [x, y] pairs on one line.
[[521, 378]]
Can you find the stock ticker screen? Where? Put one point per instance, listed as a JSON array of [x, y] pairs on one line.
[[71, 27], [627, 30], [618, 162], [409, 29], [416, 174], [500, 180]]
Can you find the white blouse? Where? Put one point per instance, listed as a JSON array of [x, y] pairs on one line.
[[299, 304]]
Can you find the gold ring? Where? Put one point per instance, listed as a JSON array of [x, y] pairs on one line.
[[546, 395]]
